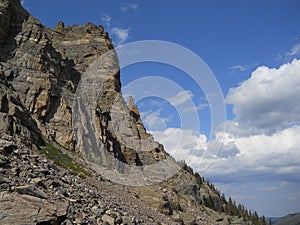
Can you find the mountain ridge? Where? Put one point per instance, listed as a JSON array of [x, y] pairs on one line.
[[291, 219]]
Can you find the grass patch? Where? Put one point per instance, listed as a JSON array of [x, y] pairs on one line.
[[63, 160]]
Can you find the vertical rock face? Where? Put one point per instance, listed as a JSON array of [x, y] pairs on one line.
[[44, 66], [15, 120], [11, 22]]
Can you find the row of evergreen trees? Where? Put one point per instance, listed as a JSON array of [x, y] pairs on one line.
[[222, 205]]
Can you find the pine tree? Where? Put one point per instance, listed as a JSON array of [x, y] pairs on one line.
[[235, 209], [223, 199], [250, 214], [263, 221], [204, 201], [211, 203], [198, 178], [229, 207], [255, 218]]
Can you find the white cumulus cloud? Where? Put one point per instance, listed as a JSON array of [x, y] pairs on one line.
[[181, 98], [182, 144], [106, 19], [239, 68], [261, 143], [295, 196], [196, 108], [233, 159], [154, 121], [269, 100], [295, 51], [121, 34], [129, 6], [262, 155]]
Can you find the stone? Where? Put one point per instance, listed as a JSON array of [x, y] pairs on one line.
[[108, 219], [176, 218], [31, 190], [25, 209], [7, 147], [59, 27], [37, 180], [119, 219], [165, 207]]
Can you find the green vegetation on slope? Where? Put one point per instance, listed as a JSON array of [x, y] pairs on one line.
[[63, 160]]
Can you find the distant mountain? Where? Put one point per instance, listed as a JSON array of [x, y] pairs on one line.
[[290, 219]]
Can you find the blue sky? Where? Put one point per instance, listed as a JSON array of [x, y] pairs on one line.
[[252, 47]]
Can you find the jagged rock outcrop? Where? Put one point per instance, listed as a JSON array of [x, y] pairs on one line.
[[44, 66], [41, 75], [15, 120]]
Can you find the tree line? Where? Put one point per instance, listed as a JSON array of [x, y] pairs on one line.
[[223, 205]]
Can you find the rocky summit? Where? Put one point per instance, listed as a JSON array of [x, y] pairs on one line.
[[46, 177]]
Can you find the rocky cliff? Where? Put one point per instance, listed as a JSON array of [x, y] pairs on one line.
[[45, 66], [45, 177]]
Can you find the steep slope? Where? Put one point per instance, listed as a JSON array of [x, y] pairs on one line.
[[41, 70]]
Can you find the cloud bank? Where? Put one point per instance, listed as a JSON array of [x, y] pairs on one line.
[[261, 142], [269, 100]]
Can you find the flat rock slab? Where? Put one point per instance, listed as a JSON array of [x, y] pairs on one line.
[[26, 209]]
